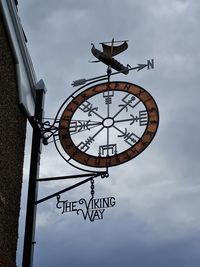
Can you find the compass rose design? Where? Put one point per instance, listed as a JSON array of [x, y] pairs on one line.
[[107, 124]]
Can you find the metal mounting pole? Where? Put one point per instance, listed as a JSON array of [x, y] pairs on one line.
[[29, 235]]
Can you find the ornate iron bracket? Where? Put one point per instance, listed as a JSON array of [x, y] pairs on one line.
[[47, 130], [90, 175]]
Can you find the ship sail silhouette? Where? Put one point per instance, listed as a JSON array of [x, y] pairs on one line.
[[108, 52]]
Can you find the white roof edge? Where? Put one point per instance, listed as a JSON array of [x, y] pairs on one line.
[[26, 77], [10, 4]]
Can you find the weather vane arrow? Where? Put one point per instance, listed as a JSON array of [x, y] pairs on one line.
[[148, 65]]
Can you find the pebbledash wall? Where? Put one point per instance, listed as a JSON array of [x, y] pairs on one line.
[[17, 85]]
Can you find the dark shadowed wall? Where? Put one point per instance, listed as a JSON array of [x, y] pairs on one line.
[[12, 141]]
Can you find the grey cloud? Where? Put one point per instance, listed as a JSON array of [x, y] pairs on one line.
[[155, 221]]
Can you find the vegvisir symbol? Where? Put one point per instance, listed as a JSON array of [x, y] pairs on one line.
[[129, 138], [84, 146], [128, 103], [110, 149], [142, 118], [77, 126], [114, 136], [108, 97], [88, 107]]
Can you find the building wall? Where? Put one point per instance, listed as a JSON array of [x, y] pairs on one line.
[[12, 142]]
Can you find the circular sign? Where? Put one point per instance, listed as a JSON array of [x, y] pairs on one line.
[[108, 124]]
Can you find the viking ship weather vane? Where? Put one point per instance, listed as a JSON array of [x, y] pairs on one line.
[[107, 57]]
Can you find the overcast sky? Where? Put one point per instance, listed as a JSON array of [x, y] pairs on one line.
[[156, 219]]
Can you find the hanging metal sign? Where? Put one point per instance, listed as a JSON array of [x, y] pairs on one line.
[[101, 125], [92, 210]]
